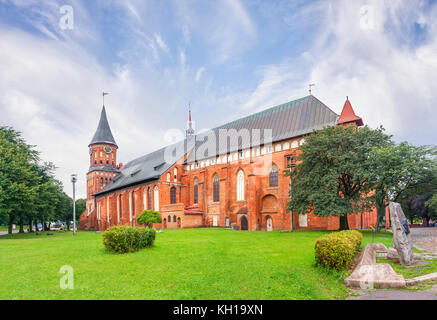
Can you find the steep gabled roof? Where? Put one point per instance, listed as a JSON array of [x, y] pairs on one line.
[[291, 119], [348, 115], [288, 120], [149, 167], [103, 133]]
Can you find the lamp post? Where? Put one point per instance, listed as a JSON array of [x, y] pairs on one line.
[[73, 180], [291, 164]]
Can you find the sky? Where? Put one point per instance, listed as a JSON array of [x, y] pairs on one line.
[[228, 58]]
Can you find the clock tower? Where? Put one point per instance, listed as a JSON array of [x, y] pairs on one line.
[[103, 159]]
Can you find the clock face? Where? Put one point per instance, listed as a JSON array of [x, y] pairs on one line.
[[107, 149], [90, 151]]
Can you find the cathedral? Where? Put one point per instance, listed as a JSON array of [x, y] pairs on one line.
[[233, 176]]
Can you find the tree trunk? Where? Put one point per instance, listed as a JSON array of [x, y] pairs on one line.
[[68, 225], [21, 225], [344, 223], [30, 225], [36, 226], [381, 213], [10, 224]]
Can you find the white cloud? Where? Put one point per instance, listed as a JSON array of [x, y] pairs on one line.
[[388, 81], [199, 73], [161, 43]]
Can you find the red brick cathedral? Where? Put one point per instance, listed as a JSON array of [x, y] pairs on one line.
[[231, 176]]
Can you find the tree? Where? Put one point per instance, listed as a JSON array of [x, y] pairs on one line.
[[432, 204], [332, 174], [149, 217], [397, 169], [18, 179]]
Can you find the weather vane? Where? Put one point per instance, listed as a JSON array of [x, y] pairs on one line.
[[311, 85], [104, 94]]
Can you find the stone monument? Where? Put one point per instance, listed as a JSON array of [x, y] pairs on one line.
[[401, 237]]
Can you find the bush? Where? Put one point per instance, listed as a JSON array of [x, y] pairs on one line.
[[123, 239], [149, 217], [337, 250]]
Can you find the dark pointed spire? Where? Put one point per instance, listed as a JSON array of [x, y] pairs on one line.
[[103, 133]]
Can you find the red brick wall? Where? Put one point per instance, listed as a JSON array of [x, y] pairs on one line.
[[260, 201]]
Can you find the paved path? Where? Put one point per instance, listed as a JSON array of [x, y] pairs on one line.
[[425, 239], [378, 294]]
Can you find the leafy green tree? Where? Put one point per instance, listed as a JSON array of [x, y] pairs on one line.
[[432, 204], [149, 217], [18, 179], [332, 174], [397, 169]]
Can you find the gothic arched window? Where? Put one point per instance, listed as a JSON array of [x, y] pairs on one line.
[[172, 195], [273, 178], [216, 188], [196, 191], [156, 198], [240, 185], [149, 199], [174, 218]]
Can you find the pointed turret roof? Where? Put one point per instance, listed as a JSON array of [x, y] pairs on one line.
[[348, 115], [103, 133]]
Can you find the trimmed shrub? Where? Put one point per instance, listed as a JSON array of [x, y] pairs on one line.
[[149, 217], [337, 250], [123, 239]]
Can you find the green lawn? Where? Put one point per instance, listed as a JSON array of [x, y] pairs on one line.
[[183, 264], [420, 268]]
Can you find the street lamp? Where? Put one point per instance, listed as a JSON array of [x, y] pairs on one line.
[[73, 180], [291, 163]]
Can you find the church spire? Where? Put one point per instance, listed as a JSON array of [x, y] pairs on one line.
[[190, 130], [103, 133]]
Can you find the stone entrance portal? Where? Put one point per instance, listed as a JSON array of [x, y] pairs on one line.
[[269, 224], [243, 222]]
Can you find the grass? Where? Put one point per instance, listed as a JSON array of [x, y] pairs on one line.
[[419, 269], [183, 264]]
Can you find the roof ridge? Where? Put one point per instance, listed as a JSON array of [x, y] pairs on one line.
[[260, 113]]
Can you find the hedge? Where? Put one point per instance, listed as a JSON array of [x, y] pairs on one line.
[[337, 250], [123, 239]]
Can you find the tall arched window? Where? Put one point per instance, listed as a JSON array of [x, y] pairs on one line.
[[156, 198], [175, 174], [273, 178], [169, 218], [240, 185], [145, 199], [174, 218], [196, 191], [172, 195], [216, 188], [149, 199]]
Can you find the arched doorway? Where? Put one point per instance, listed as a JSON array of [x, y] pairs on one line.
[[179, 223], [269, 223], [165, 223], [243, 222]]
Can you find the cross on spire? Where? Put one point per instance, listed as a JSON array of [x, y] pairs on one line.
[[103, 95], [311, 85]]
